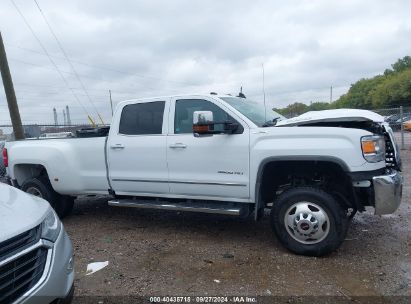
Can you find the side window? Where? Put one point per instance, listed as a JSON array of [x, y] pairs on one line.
[[183, 118], [142, 118]]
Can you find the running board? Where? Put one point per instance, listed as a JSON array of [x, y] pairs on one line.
[[236, 209]]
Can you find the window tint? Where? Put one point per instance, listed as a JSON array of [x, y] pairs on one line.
[[142, 118], [183, 118]]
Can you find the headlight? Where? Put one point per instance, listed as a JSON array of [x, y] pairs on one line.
[[373, 148], [50, 228]]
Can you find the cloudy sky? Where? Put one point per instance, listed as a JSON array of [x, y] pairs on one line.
[[151, 48]]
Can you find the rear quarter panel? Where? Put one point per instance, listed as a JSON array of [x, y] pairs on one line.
[[74, 166]]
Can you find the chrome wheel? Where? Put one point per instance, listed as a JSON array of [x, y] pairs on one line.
[[34, 191], [307, 223]]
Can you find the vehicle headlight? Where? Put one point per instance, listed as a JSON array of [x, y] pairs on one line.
[[373, 148], [50, 228]]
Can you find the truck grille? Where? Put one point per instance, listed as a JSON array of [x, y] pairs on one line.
[[392, 157], [19, 242], [21, 274], [389, 152]]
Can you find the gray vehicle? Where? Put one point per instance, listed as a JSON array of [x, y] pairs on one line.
[[36, 262]]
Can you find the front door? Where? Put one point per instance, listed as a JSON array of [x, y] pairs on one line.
[[136, 149], [212, 166]]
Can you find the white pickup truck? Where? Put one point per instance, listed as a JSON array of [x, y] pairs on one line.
[[227, 155]]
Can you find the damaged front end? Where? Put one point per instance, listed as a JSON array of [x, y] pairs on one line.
[[381, 189]]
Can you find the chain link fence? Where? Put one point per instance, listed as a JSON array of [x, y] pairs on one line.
[[398, 118]]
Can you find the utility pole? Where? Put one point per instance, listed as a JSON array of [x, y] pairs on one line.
[[68, 115], [64, 117], [331, 94], [265, 107], [55, 116], [111, 103], [10, 94]]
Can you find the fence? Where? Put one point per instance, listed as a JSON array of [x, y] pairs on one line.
[[399, 120], [42, 131], [37, 131]]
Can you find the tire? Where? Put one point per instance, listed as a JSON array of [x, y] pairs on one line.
[[309, 221], [40, 186]]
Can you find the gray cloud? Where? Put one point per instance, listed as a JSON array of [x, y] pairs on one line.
[[152, 48]]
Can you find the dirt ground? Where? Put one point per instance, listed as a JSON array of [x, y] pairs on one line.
[[158, 253]]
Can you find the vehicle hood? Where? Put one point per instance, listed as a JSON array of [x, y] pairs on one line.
[[19, 211], [337, 115]]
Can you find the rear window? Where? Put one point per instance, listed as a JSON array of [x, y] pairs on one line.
[[142, 118]]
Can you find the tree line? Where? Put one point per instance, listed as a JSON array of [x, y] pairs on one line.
[[391, 89]]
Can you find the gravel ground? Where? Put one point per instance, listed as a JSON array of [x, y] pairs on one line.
[[154, 253]]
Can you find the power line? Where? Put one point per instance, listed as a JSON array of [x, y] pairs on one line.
[[22, 84], [49, 57], [68, 60], [106, 68], [46, 67]]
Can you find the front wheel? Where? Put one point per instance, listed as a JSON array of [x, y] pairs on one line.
[[309, 221]]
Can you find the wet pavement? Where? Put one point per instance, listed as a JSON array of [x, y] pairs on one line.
[[168, 253]]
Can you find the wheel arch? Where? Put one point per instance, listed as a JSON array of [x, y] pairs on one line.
[[23, 172], [268, 163]]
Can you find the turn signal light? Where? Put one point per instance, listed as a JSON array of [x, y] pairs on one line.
[[373, 148], [368, 147], [200, 128]]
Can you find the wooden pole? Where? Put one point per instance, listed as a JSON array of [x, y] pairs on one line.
[[10, 94]]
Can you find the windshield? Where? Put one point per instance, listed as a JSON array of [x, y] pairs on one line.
[[253, 111]]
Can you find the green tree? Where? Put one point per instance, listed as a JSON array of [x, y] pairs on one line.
[[359, 94], [402, 64], [394, 91], [318, 106], [294, 109], [391, 89]]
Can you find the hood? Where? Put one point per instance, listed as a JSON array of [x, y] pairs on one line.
[[337, 115], [19, 211]]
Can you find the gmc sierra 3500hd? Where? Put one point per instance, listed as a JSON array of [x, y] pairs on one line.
[[227, 155]]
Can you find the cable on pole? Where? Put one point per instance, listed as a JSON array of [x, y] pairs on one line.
[[51, 60], [68, 60]]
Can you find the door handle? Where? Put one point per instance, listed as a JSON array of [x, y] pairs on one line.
[[117, 146], [178, 146]]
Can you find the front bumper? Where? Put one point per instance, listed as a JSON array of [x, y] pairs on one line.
[[387, 192]]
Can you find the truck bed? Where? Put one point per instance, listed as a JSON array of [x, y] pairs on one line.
[[74, 165]]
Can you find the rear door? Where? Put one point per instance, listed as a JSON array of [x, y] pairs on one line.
[[136, 149]]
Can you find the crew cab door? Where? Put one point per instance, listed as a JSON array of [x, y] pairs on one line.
[[136, 148], [212, 166]]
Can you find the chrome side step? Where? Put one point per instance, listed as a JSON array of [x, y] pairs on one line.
[[240, 209]]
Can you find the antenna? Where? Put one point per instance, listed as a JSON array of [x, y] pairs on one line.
[[241, 94], [265, 107]]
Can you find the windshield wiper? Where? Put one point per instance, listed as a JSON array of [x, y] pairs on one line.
[[270, 123]]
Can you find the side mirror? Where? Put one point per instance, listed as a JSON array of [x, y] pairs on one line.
[[231, 127], [203, 122]]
